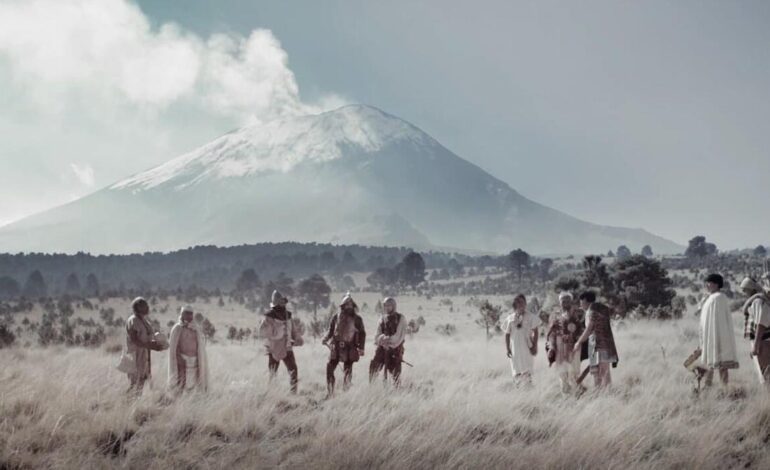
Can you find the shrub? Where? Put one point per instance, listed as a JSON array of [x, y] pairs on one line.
[[447, 329]]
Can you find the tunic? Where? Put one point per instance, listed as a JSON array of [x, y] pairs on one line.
[[278, 332], [143, 331], [520, 327]]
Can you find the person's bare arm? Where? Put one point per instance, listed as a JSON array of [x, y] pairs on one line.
[[330, 333], [508, 345], [586, 333], [535, 333], [378, 334], [361, 339]]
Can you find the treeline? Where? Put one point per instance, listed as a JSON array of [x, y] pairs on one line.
[[211, 268]]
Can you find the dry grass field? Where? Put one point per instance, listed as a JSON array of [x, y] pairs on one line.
[[66, 407]]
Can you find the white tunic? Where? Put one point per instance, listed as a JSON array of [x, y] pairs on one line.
[[520, 328], [759, 313], [717, 333]]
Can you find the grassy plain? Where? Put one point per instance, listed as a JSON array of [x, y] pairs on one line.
[[66, 408]]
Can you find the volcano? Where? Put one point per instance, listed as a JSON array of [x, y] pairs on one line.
[[354, 175]]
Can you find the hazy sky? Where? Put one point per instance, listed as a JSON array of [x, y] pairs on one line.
[[643, 114]]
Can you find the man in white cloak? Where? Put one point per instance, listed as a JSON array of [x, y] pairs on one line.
[[187, 364], [717, 335]]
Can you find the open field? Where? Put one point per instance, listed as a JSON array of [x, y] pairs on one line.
[[65, 408]]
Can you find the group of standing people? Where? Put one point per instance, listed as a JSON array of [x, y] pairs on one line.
[[187, 361], [346, 340], [573, 335], [581, 331], [188, 365]]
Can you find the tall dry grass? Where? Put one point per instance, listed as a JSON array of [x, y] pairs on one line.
[[66, 408]]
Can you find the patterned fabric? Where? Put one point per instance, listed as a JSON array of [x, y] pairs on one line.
[[562, 336], [601, 342], [757, 303]]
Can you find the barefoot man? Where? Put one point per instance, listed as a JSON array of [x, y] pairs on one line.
[[187, 365]]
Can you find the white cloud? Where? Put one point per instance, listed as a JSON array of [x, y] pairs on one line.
[[94, 82], [84, 174], [106, 49]]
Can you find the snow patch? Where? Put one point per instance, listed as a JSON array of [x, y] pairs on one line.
[[280, 145]]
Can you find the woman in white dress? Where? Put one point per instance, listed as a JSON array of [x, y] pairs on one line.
[[521, 333]]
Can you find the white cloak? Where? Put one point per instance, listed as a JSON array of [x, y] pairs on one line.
[[203, 370], [717, 333]]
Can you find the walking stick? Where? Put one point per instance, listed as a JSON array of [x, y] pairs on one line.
[[583, 375]]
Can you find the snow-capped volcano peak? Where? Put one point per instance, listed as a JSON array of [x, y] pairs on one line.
[[280, 145], [352, 175]]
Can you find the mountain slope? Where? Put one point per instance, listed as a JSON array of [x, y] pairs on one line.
[[352, 175]]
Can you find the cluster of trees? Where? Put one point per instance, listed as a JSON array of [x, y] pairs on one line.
[[629, 283], [36, 287], [523, 265], [310, 293], [624, 252], [698, 247], [410, 272]]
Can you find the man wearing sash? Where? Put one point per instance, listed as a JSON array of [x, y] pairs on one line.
[[346, 339], [187, 364]]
